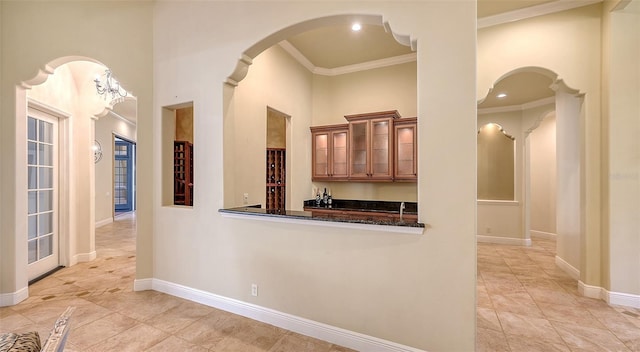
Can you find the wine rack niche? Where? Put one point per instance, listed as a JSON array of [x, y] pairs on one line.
[[276, 172], [182, 173]]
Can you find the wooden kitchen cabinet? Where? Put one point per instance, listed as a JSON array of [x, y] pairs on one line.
[[330, 152], [406, 149], [371, 148]]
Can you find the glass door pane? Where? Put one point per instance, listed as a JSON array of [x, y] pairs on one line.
[[42, 146]]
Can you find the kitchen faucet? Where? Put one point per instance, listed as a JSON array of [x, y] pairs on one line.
[[401, 210]]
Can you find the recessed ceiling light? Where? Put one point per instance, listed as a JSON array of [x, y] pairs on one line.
[[501, 95], [356, 27]]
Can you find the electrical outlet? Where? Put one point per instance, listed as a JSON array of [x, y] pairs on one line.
[[254, 290], [245, 198]]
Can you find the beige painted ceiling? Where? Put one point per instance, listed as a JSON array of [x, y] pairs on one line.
[[520, 88], [338, 46]]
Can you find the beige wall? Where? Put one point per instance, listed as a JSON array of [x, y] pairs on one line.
[[542, 142], [623, 173], [504, 219], [277, 81], [50, 26], [105, 128], [404, 273], [381, 89], [184, 124], [496, 163]]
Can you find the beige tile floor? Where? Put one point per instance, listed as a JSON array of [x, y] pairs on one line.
[[111, 317], [525, 303]]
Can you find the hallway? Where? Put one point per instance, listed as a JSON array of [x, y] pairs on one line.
[[526, 303]]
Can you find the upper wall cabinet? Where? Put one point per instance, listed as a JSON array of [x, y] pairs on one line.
[[330, 153], [371, 146], [406, 149]]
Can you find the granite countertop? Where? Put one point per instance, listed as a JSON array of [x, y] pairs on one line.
[[344, 205]]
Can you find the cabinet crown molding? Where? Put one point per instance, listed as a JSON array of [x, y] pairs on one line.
[[373, 115]]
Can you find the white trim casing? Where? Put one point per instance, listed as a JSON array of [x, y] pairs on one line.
[[363, 66], [504, 240], [83, 257], [533, 11], [615, 298], [568, 268], [543, 234], [11, 299], [332, 334], [103, 222]]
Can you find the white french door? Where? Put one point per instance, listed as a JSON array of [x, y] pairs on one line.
[[42, 193]]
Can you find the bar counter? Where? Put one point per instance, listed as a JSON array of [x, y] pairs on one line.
[[339, 216]]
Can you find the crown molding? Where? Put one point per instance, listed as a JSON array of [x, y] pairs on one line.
[[363, 66], [533, 11], [522, 107]]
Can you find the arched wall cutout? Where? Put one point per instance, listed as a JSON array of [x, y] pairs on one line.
[[558, 83], [499, 129], [246, 59], [49, 68]]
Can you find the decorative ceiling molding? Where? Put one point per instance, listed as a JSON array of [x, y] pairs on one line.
[[363, 66], [120, 117], [522, 107], [533, 11]]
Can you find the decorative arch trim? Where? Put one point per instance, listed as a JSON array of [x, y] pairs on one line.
[[499, 129], [246, 59]]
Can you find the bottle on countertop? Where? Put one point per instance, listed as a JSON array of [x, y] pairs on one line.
[[325, 197], [329, 200], [318, 199]]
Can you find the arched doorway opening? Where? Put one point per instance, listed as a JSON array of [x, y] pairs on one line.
[[303, 102], [522, 98], [60, 196]]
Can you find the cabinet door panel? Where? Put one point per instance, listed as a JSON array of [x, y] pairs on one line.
[[359, 149], [406, 151], [321, 155], [339, 155], [381, 149]]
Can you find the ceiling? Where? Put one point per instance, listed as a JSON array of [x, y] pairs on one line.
[[334, 47]]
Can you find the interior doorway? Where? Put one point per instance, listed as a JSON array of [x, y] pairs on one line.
[[124, 187], [42, 193]]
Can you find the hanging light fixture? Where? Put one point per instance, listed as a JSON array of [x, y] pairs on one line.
[[109, 86]]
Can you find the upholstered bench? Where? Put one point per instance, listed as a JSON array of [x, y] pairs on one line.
[[30, 341]]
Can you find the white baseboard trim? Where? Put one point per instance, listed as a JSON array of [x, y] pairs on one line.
[[103, 222], [549, 235], [13, 298], [83, 257], [568, 268], [591, 291], [616, 298], [142, 284], [623, 299], [504, 240], [332, 334]]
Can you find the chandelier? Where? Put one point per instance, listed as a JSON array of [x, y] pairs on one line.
[[109, 86]]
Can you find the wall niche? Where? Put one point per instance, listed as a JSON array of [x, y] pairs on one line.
[[496, 172]]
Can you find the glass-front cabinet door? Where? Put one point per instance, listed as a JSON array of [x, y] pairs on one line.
[[406, 165], [359, 167], [339, 154], [330, 149], [381, 149], [371, 149]]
